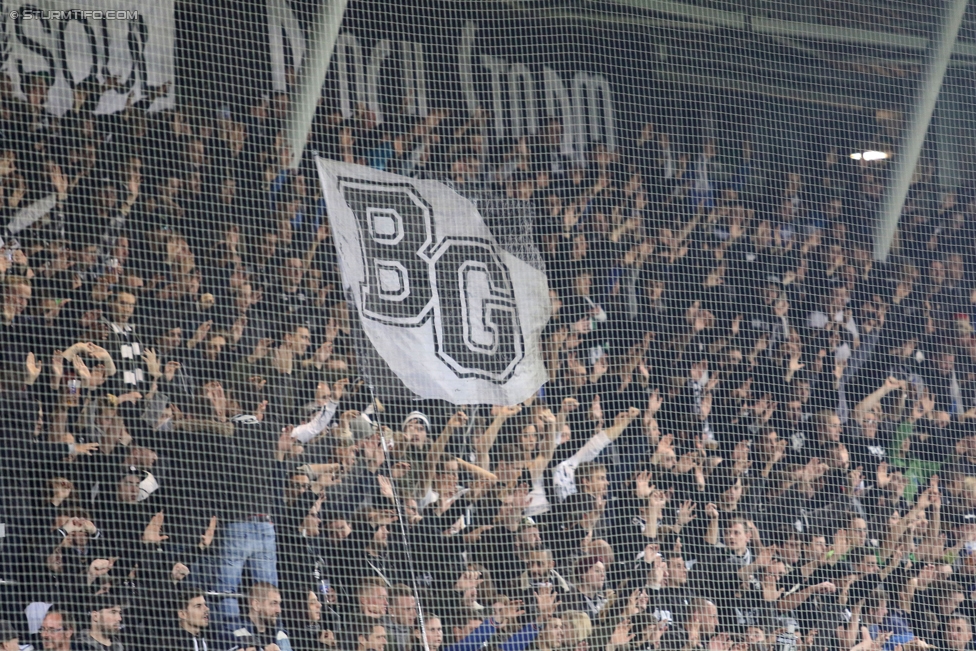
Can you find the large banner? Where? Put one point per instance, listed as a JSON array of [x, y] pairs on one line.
[[453, 315], [377, 65], [525, 70], [131, 43]]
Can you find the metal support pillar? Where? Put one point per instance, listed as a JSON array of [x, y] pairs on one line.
[[311, 76], [907, 156]]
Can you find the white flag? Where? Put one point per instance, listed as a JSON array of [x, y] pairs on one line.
[[454, 316]]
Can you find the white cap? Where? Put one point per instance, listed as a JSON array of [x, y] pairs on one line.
[[417, 415]]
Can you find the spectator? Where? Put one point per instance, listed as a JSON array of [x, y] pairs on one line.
[[106, 623], [194, 616], [701, 624], [369, 635], [261, 626], [320, 627], [249, 537], [125, 342], [399, 624], [373, 599], [959, 633], [430, 636], [8, 637], [57, 629]]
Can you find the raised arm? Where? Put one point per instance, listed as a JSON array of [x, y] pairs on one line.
[[793, 601], [458, 420], [621, 422], [562, 418], [711, 533], [547, 447], [563, 476], [104, 357], [328, 401], [487, 440], [873, 399]]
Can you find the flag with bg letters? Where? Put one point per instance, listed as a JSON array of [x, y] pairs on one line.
[[454, 315]]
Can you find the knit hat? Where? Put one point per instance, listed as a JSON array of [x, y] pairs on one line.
[[417, 415]]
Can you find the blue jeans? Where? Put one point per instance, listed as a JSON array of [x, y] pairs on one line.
[[244, 543]]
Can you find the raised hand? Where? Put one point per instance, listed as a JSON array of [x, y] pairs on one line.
[[206, 538], [153, 532], [665, 445], [506, 411], [57, 366], [794, 364], [99, 567], [201, 333], [458, 420], [322, 393], [825, 587], [548, 419], [83, 449], [546, 602], [642, 490], [657, 500], [636, 603], [339, 388], [237, 330], [765, 557], [214, 392], [654, 402], [386, 487], [779, 450], [331, 330], [686, 513], [621, 634], [97, 351], [596, 411], [287, 446], [33, 366], [625, 417], [179, 572], [892, 383], [883, 477], [152, 363]]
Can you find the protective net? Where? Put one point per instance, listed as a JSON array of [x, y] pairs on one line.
[[635, 325]]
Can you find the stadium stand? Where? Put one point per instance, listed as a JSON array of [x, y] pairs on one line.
[[754, 434]]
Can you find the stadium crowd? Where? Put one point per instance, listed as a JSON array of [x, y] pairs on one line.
[[753, 435]]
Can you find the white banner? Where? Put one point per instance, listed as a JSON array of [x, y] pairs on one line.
[[454, 316], [130, 40]]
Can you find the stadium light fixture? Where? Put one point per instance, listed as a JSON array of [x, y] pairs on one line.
[[870, 155]]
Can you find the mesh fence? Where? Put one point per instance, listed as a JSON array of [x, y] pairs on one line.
[[568, 326]]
